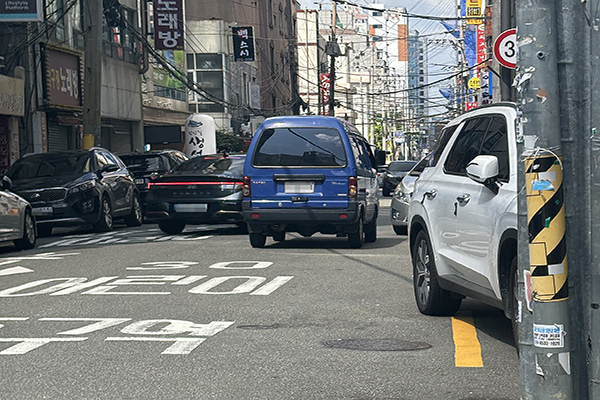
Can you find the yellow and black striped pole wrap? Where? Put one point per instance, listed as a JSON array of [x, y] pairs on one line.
[[546, 228]]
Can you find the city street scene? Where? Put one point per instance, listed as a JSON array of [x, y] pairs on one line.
[[294, 199]]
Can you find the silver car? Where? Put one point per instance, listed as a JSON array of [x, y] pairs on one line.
[[17, 222], [401, 198]]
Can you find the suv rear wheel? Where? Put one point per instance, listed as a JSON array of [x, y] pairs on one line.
[[371, 230], [355, 239], [430, 297], [257, 240], [514, 300]]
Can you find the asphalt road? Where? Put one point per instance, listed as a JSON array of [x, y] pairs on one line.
[[136, 314]]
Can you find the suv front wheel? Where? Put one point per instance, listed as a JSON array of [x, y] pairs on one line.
[[430, 297]]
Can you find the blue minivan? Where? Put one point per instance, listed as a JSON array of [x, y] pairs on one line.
[[310, 174]]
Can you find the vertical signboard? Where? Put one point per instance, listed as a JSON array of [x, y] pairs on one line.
[[168, 24], [243, 43], [325, 87], [200, 135], [21, 10]]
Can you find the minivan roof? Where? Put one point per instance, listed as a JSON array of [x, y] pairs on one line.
[[302, 121]]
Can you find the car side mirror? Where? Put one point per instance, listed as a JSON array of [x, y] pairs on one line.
[[108, 168], [6, 183], [483, 169]]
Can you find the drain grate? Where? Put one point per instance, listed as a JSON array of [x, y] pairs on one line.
[[376, 344]]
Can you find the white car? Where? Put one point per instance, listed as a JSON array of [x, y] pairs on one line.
[[401, 198], [17, 222], [463, 215]]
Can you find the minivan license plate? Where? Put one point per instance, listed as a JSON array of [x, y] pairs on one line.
[[299, 187]]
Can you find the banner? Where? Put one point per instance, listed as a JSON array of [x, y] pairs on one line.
[[168, 24], [325, 87], [21, 10], [243, 43]]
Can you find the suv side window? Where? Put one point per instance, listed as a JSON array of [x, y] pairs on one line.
[[100, 159], [467, 145], [442, 141], [361, 158], [495, 143]]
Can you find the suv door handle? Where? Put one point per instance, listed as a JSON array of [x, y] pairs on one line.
[[464, 199], [430, 194]]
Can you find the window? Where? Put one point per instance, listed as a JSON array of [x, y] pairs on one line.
[[270, 12], [442, 141], [377, 14], [118, 42], [377, 26], [495, 143], [467, 144], [206, 70], [299, 147]]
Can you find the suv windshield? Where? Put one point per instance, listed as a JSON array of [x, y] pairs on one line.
[[141, 163], [58, 164], [300, 147], [231, 166]]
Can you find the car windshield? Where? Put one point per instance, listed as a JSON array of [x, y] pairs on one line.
[[403, 166], [57, 164], [300, 147], [141, 163], [218, 166]]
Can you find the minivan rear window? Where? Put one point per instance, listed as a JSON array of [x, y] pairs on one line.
[[299, 147]]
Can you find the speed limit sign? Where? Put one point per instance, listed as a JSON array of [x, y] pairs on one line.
[[505, 48]]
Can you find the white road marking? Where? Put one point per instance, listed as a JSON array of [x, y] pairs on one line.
[[255, 265], [182, 346], [25, 345], [270, 287], [189, 280], [251, 283], [98, 324], [15, 271]]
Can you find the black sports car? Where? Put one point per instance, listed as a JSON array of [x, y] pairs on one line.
[[202, 190], [77, 188]]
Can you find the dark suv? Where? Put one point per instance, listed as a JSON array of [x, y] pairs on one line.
[[149, 164], [77, 188]]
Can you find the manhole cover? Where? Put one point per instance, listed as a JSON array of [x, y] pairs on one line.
[[258, 327], [376, 344]]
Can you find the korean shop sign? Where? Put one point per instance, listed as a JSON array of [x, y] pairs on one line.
[[243, 43], [63, 79], [168, 24]]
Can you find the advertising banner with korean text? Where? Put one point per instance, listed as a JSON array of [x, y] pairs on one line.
[[168, 24], [243, 43], [21, 10], [325, 87]]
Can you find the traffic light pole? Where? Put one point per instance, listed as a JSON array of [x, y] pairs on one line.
[[537, 85]]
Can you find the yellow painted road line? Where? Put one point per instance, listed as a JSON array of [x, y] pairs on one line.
[[467, 349]]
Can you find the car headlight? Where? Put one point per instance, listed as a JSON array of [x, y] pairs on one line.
[[82, 187]]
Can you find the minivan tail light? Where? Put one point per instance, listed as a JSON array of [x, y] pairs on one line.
[[246, 192], [352, 186]]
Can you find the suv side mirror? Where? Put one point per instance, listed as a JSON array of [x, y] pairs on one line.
[[108, 168], [483, 169], [6, 183]]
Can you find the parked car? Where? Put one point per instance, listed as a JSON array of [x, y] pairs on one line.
[[463, 215], [149, 164], [17, 222], [394, 174], [77, 187], [381, 169], [310, 174], [201, 190], [401, 198]]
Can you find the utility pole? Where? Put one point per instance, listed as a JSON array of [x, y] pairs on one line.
[[92, 123], [548, 374], [333, 53]]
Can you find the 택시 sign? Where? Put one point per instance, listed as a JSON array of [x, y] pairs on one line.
[[243, 43], [21, 10]]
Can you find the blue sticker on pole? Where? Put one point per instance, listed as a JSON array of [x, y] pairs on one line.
[[542, 185]]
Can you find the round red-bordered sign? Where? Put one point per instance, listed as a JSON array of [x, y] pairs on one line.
[[505, 48]]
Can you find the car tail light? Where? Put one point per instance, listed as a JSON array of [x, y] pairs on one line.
[[246, 192], [352, 186]]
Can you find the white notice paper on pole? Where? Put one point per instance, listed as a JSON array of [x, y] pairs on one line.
[[548, 336]]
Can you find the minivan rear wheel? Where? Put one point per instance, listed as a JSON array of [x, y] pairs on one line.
[[257, 239], [430, 297], [355, 239], [371, 231]]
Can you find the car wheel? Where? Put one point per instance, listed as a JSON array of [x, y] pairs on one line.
[[430, 298], [371, 231], [400, 229], [279, 236], [355, 239], [44, 230], [514, 300], [135, 218], [171, 227], [257, 240], [28, 239], [105, 224]]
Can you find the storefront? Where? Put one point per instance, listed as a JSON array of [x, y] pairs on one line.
[[12, 107]]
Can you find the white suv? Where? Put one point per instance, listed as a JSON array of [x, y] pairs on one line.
[[463, 215]]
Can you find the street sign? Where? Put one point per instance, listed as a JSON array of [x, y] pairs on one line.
[[505, 49], [474, 83]]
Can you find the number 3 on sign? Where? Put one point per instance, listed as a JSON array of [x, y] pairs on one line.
[[505, 49]]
